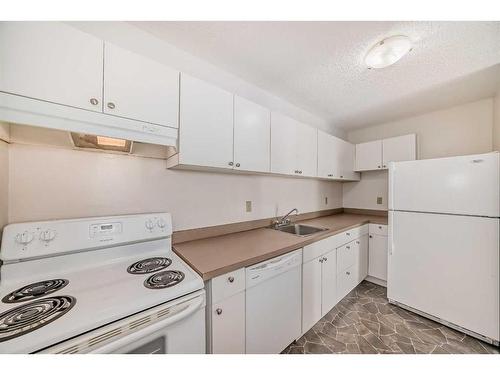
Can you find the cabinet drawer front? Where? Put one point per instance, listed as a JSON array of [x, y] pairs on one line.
[[354, 233], [346, 255], [316, 249], [346, 281], [227, 285], [379, 229], [228, 325]]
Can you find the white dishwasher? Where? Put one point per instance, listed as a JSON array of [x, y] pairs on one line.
[[273, 303]]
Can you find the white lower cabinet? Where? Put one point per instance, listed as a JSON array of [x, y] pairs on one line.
[[228, 325], [328, 282], [226, 313], [311, 293], [378, 257], [363, 260]]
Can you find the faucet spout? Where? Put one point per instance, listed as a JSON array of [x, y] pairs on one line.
[[285, 220]]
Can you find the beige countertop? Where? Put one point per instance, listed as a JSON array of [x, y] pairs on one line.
[[215, 256]]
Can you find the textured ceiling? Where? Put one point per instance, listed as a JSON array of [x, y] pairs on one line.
[[319, 66]]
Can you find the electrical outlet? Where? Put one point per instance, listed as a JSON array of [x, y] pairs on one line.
[[379, 200], [248, 205], [326, 201]]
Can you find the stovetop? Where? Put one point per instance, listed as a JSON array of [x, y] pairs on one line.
[[48, 300]]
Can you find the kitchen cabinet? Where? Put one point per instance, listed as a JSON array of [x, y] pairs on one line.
[[377, 260], [319, 289], [369, 156], [226, 313], [252, 136], [363, 258], [335, 158], [401, 148], [139, 88], [376, 155], [53, 62], [206, 124], [352, 264], [228, 325], [293, 147]]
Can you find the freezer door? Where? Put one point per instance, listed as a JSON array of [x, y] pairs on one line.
[[464, 185], [446, 266]]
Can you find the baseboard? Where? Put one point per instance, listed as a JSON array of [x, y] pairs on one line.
[[376, 281]]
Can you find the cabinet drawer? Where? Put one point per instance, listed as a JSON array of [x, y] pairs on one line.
[[346, 281], [354, 233], [319, 248], [227, 285], [346, 255], [379, 229]]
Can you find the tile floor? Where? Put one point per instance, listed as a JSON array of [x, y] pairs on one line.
[[365, 322]]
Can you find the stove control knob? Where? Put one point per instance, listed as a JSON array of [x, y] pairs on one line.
[[47, 235], [161, 223], [24, 238], [150, 224]]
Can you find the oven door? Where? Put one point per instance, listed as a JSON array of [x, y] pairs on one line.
[[176, 327]]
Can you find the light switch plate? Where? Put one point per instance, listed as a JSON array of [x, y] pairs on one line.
[[248, 205], [379, 200]]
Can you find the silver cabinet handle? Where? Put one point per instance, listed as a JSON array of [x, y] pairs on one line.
[[357, 242], [237, 164], [378, 166], [325, 259], [379, 227], [218, 311], [341, 176], [330, 175], [347, 273], [370, 236], [230, 163], [348, 234], [321, 260], [111, 105], [385, 166], [94, 101], [230, 279], [347, 247], [300, 172]]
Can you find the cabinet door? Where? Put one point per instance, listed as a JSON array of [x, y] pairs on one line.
[[228, 325], [328, 155], [284, 139], [369, 156], [252, 136], [328, 282], [399, 149], [138, 88], [377, 263], [344, 159], [362, 257], [206, 124], [311, 293], [51, 61], [306, 150]]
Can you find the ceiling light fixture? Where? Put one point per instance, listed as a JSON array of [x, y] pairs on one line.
[[388, 51]]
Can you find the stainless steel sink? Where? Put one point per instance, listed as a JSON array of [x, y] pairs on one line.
[[299, 229]]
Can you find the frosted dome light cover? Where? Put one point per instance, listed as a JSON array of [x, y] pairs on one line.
[[388, 51]]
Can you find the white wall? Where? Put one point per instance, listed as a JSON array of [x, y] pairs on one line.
[[4, 184], [144, 43], [52, 183], [496, 124], [460, 130]]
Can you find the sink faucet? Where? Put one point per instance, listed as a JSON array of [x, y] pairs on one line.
[[285, 220]]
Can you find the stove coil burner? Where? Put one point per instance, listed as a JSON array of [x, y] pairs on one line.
[[149, 265], [35, 290], [164, 279], [33, 315]]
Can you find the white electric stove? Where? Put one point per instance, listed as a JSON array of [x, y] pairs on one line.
[[98, 285]]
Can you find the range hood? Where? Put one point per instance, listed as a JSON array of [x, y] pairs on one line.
[[27, 111]]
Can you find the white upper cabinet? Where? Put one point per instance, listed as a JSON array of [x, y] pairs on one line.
[[139, 88], [401, 148], [335, 158], [284, 139], [206, 124], [327, 155], [307, 150], [252, 136], [369, 156], [53, 62], [293, 147], [377, 154]]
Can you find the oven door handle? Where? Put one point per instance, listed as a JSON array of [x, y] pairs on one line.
[[193, 305]]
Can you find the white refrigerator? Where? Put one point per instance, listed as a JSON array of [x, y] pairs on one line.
[[443, 255]]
